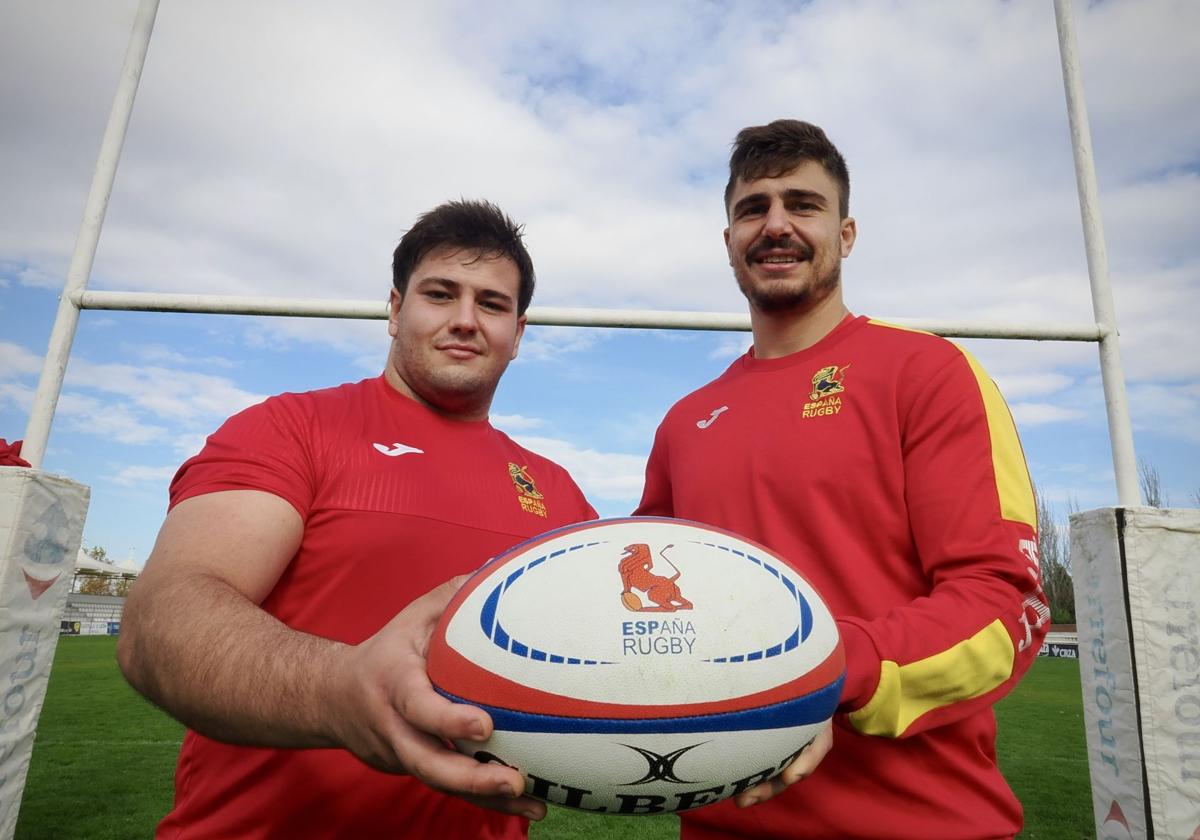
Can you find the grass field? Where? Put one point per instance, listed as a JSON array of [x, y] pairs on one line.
[[104, 759]]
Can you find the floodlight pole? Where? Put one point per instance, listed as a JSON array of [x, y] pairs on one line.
[[54, 368], [1112, 375]]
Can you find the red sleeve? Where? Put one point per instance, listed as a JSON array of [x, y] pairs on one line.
[[945, 656], [266, 447]]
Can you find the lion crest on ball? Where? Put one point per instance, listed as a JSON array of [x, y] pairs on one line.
[[636, 567]]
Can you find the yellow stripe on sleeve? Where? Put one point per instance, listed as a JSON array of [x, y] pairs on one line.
[[972, 667], [1013, 486]]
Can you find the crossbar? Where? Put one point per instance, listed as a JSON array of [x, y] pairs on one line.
[[650, 319]]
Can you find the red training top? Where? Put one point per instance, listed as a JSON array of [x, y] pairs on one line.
[[395, 500], [883, 462]]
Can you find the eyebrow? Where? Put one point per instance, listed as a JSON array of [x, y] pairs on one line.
[[489, 294], [788, 195]]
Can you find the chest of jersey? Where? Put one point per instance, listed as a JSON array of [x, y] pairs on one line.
[[814, 470], [790, 434], [478, 480], [401, 501]]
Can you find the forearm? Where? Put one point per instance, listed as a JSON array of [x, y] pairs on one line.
[[227, 669], [939, 659], [961, 645]]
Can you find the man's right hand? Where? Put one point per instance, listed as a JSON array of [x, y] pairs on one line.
[[373, 699], [397, 723]]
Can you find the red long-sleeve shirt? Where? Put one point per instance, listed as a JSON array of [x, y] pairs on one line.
[[884, 463]]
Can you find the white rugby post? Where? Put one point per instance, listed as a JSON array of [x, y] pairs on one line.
[[1112, 375], [62, 335], [42, 515], [1137, 589]]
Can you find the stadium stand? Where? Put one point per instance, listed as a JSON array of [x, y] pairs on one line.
[[92, 615]]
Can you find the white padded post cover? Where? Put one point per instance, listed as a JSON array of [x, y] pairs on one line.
[[41, 527], [1137, 603]]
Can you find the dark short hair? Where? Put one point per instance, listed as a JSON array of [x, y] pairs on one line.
[[768, 151], [478, 226]]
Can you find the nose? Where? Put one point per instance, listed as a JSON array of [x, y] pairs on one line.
[[464, 318], [775, 223]]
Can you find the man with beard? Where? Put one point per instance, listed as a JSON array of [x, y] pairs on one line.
[[282, 613], [884, 464]]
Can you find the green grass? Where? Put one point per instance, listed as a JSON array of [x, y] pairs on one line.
[[104, 759], [103, 765], [1042, 749]]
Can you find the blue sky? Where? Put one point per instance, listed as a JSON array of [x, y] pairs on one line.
[[282, 149]]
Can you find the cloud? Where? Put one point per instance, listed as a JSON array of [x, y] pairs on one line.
[[1170, 409], [134, 475], [551, 344], [188, 444], [16, 361], [41, 278], [1017, 386], [1038, 414], [162, 354], [112, 422], [124, 403], [731, 346], [608, 476], [16, 394], [170, 394], [514, 423]]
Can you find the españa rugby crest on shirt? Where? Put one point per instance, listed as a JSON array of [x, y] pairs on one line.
[[825, 398], [531, 499]]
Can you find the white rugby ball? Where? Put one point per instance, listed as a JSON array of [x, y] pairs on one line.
[[640, 665]]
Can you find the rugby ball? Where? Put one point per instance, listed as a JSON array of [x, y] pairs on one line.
[[640, 665]]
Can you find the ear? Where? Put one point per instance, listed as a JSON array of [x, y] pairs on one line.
[[728, 253], [517, 339], [849, 234], [394, 302]]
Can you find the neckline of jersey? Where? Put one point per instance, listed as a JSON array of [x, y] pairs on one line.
[[407, 403], [849, 325]]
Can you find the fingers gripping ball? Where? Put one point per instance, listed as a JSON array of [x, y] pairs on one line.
[[642, 665]]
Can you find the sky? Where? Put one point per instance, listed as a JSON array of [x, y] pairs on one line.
[[282, 148]]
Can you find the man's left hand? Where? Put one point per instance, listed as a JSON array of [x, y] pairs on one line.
[[801, 768]]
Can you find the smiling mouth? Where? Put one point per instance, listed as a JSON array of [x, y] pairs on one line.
[[772, 254], [459, 351]]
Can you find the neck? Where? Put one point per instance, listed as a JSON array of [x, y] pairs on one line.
[[778, 334], [472, 411]]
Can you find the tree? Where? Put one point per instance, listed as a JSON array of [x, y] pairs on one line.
[[1151, 483], [1054, 551], [101, 582], [95, 584]]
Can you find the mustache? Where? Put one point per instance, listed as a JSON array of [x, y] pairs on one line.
[[794, 249]]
